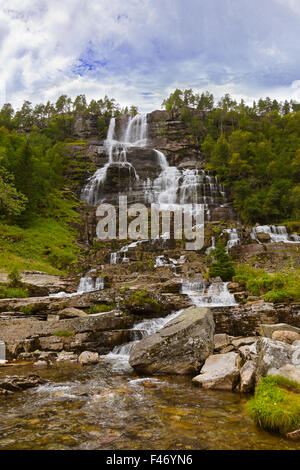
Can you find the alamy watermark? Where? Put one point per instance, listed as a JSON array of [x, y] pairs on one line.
[[137, 222]]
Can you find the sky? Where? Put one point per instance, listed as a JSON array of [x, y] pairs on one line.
[[138, 51]]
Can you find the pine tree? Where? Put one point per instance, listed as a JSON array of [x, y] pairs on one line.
[[222, 265]]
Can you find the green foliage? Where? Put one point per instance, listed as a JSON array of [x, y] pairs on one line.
[[99, 308], [26, 309], [276, 288], [141, 297], [221, 265], [14, 278], [64, 334], [12, 292], [276, 405]]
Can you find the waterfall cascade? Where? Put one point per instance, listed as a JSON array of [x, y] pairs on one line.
[[204, 295], [135, 136], [86, 284], [278, 233], [234, 237]]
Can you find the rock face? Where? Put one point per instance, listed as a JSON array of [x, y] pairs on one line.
[[288, 337], [247, 377], [220, 372], [179, 348]]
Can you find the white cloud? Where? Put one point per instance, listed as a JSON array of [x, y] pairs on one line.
[[125, 48]]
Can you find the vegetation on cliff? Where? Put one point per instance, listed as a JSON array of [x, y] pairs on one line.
[[254, 150]]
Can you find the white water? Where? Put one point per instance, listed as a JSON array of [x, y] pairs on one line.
[[120, 354], [212, 247], [234, 237], [135, 136], [278, 233], [86, 284], [217, 294]]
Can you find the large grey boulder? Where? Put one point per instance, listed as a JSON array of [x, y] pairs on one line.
[[180, 348], [220, 372], [288, 372], [273, 355], [268, 330]]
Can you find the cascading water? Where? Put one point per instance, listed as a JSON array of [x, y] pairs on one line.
[[216, 295], [212, 247], [86, 284], [277, 234], [135, 136], [120, 354], [234, 237]]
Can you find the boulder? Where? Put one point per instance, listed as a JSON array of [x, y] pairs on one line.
[[248, 352], [268, 330], [288, 372], [288, 337], [238, 342], [247, 373], [72, 312], [273, 355], [220, 372], [88, 357], [294, 436], [179, 348], [263, 237], [17, 383]]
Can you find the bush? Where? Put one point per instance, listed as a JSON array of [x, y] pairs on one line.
[[12, 292], [101, 308], [14, 278], [222, 265], [276, 405]]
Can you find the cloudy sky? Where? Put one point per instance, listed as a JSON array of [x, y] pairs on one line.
[[138, 51]]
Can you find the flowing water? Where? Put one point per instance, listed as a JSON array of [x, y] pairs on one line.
[[277, 233]]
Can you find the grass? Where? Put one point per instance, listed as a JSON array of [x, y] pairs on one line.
[[47, 244], [276, 405], [64, 334], [12, 292], [273, 287], [139, 298], [99, 308]]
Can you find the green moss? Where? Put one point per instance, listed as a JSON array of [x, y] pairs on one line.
[[99, 308], [64, 333], [26, 309], [141, 297], [276, 405]]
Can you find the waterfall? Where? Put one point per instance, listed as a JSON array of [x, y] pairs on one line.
[[135, 136], [234, 237], [217, 295], [90, 284], [120, 354], [277, 234], [212, 247]]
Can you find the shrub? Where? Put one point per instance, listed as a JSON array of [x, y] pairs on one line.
[[12, 292], [276, 405], [99, 308], [14, 278], [222, 265]]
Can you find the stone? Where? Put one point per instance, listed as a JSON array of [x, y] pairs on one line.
[[288, 337], [40, 364], [88, 357], [67, 356], [16, 383], [248, 352], [288, 372], [72, 312], [220, 372], [263, 237], [244, 341], [268, 330], [294, 435], [220, 341], [247, 377], [272, 355], [180, 348]]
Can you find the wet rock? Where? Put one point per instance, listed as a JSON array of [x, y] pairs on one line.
[[220, 372], [263, 237], [40, 364], [294, 436], [247, 377], [17, 383], [88, 357], [288, 337], [67, 356], [180, 348]]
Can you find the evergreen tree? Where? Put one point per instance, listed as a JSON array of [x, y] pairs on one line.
[[222, 265]]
